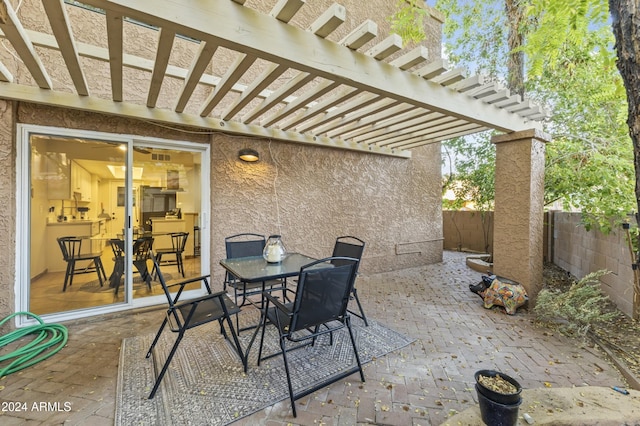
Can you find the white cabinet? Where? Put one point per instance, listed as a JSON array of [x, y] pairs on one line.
[[58, 177], [65, 181], [80, 182]]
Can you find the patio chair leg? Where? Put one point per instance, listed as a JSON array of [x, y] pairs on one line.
[[355, 349], [155, 340], [166, 365], [237, 345], [361, 315], [286, 369], [264, 326]]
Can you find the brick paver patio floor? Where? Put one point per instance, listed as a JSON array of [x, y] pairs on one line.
[[422, 384]]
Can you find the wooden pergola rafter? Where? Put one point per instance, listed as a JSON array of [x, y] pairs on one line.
[[306, 88]]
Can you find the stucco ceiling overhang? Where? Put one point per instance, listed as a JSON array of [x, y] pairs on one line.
[[281, 81]]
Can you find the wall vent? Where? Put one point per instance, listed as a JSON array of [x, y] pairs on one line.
[[161, 157]]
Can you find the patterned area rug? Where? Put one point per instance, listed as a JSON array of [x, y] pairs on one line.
[[205, 383]]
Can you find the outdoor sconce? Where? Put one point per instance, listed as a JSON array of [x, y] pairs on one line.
[[248, 155]]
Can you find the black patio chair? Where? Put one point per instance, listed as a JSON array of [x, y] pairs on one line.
[[348, 246], [185, 315], [245, 245], [319, 307]]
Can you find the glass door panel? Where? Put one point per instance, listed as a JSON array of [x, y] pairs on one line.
[[167, 204], [72, 220]]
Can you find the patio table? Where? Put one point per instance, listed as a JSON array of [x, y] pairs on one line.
[[255, 269]]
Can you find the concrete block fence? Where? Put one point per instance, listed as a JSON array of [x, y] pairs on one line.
[[567, 244]]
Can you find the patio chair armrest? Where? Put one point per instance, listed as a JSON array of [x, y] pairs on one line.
[[182, 284], [276, 302], [188, 281], [200, 299]]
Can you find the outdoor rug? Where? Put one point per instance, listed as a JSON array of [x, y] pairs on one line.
[[205, 382]]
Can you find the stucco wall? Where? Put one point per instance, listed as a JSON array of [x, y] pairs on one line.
[[465, 231], [7, 201], [317, 194]]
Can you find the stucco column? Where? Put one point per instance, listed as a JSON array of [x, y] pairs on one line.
[[519, 203]]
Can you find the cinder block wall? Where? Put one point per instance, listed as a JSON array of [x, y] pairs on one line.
[[581, 252]]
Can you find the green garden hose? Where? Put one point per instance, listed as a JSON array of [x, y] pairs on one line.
[[50, 338]]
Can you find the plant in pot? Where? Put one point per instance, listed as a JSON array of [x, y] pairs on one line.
[[498, 397]]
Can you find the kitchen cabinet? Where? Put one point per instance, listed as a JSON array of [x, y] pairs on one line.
[[80, 182], [69, 180], [58, 175]]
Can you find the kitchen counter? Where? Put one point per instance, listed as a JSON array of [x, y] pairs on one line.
[[75, 222], [162, 225]]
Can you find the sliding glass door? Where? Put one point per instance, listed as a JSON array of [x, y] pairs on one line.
[[100, 208]]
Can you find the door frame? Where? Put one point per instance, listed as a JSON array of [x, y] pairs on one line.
[[23, 191]]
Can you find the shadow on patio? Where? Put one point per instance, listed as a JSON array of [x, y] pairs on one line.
[[424, 383]]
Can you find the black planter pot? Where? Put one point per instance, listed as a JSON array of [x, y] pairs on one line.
[[498, 409], [500, 398], [496, 414]]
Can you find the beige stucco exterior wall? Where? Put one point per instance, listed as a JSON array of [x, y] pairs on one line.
[[318, 194], [8, 214], [392, 203]]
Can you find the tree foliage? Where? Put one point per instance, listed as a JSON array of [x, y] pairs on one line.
[[475, 172], [571, 70], [408, 21]]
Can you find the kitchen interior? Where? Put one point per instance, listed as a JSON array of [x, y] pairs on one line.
[[78, 189]]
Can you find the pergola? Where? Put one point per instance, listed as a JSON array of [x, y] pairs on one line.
[[260, 75], [308, 88]]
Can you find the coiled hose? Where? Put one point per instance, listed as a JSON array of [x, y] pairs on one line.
[[50, 338]]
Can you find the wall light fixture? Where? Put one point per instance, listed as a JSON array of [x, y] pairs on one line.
[[249, 155]]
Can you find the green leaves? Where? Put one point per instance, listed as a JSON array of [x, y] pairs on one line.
[[570, 68], [408, 21]]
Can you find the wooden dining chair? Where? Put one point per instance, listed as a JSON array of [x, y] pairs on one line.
[[318, 307], [79, 262], [178, 244]]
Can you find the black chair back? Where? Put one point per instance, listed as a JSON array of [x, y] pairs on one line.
[[244, 245], [351, 247], [348, 246], [71, 247], [117, 246], [323, 292], [178, 241], [142, 248]]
